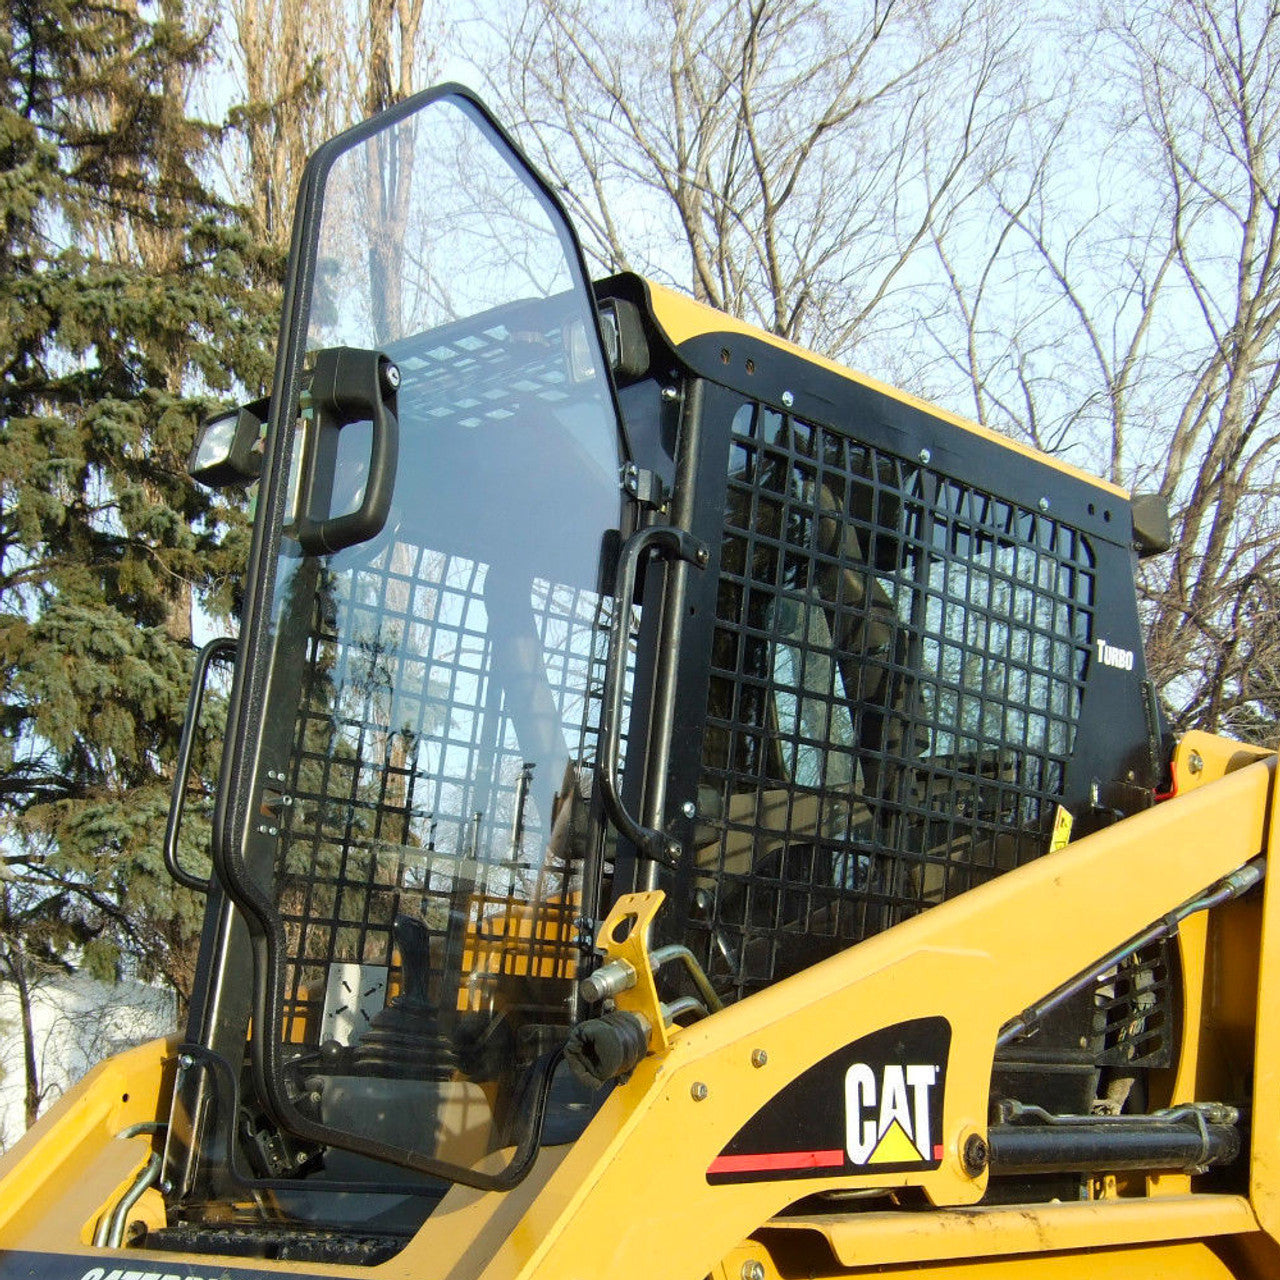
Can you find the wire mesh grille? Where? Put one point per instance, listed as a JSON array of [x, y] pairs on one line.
[[411, 794], [1136, 1005], [897, 672]]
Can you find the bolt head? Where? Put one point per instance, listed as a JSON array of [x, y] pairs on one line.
[[698, 1091], [974, 1155], [1195, 762], [925, 457], [752, 1270], [391, 376], [759, 1057], [670, 393], [185, 1062], [787, 399], [1043, 504], [689, 809]]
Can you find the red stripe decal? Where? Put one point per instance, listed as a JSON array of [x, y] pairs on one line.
[[777, 1160]]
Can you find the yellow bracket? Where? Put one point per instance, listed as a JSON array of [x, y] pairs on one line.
[[624, 937], [1201, 758]]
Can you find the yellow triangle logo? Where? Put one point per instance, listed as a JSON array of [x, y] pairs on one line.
[[895, 1147]]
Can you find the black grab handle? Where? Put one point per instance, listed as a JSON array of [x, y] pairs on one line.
[[222, 649], [350, 385]]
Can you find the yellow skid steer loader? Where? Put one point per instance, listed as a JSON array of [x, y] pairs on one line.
[[686, 810]]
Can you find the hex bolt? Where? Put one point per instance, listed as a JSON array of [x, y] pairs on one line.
[[698, 1091], [1043, 504], [925, 456], [166, 1186], [391, 376], [787, 399], [185, 1062], [1195, 762], [759, 1057], [689, 809], [670, 393], [752, 1270], [975, 1155]]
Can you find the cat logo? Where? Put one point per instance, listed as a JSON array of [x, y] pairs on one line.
[[888, 1114]]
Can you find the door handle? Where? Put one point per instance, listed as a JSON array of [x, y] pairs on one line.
[[350, 385]]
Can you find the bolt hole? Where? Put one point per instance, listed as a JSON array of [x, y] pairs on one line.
[[124, 1097], [622, 930], [725, 355], [1106, 515], [1092, 509], [751, 366]]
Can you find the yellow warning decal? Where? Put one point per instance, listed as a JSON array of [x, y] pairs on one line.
[[1062, 821]]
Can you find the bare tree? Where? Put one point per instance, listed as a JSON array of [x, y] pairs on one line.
[[785, 161], [287, 55], [1124, 305]]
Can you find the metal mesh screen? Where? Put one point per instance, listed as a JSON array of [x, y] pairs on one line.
[[411, 795], [897, 671]]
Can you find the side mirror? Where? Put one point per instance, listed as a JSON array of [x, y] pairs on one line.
[[228, 450], [1152, 528], [624, 340]]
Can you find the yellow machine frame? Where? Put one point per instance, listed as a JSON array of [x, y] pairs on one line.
[[632, 1194]]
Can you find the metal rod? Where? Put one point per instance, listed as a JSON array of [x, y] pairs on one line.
[[109, 1232], [1232, 886], [653, 813], [663, 955]]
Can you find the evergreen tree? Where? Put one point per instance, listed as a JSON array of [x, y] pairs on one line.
[[131, 298]]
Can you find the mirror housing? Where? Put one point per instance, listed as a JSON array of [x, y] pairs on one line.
[[1152, 528], [227, 450]]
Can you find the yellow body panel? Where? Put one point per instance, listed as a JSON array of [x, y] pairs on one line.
[[631, 1199], [57, 1177]]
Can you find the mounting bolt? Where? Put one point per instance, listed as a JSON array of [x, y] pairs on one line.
[[787, 399], [700, 557], [166, 1186], [670, 393], [1043, 504], [925, 456], [185, 1062], [1195, 762], [974, 1155], [698, 1091], [390, 376], [759, 1057], [752, 1270], [689, 809]]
